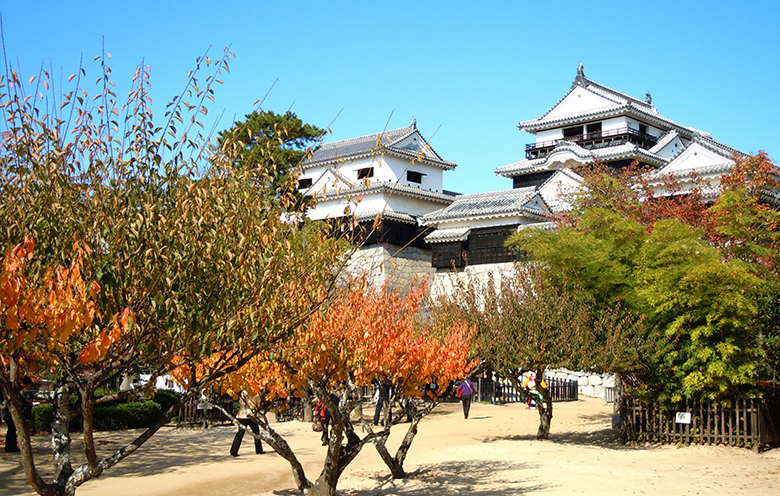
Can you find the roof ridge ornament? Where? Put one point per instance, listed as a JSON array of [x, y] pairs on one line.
[[580, 79], [648, 98]]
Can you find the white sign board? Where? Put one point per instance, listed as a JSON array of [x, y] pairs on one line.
[[683, 418]]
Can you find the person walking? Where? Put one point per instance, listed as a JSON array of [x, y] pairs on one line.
[[380, 402], [464, 392], [244, 418]]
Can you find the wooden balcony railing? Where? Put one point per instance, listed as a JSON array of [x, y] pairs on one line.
[[592, 140]]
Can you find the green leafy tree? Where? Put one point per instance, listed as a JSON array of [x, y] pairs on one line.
[[270, 141], [693, 273]]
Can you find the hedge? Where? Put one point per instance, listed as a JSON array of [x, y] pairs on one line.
[[112, 415]]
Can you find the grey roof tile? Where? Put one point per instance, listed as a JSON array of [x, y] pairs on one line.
[[483, 204], [371, 144]]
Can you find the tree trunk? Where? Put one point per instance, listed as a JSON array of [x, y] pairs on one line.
[[280, 446], [545, 408], [308, 415], [396, 463]]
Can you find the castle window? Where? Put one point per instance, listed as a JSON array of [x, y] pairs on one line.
[[365, 173], [572, 132], [304, 183], [594, 129], [414, 177]]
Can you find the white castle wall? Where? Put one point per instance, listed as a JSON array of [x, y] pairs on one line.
[[589, 384]]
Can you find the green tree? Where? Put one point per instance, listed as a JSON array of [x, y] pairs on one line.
[[268, 140], [693, 273]]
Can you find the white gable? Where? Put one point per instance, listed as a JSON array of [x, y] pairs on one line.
[[694, 157], [558, 191], [415, 144], [578, 101]]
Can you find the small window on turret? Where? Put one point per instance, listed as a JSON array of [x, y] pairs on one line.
[[365, 173], [414, 177], [304, 183], [642, 129]]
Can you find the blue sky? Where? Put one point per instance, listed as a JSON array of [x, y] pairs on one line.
[[467, 71]]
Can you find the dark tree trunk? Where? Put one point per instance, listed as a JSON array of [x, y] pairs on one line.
[[545, 408], [308, 415]]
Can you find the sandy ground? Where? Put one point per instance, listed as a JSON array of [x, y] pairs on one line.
[[494, 452]]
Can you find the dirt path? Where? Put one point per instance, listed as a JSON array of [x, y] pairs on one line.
[[492, 453]]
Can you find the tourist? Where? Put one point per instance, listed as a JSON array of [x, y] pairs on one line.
[[248, 406], [321, 410], [379, 398], [464, 392]]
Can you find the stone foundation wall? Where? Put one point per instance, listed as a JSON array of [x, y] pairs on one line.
[[385, 261], [445, 279], [589, 384]]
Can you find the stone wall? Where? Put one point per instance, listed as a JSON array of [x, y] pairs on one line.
[[445, 279], [385, 261], [590, 384]]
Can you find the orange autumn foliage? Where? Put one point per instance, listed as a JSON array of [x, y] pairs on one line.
[[366, 333], [39, 321]]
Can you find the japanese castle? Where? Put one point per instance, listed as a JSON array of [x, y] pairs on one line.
[[397, 178]]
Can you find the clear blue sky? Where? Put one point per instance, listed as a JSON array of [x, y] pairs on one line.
[[472, 70]]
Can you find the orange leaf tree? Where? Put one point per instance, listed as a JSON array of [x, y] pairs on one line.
[[366, 335], [178, 256]]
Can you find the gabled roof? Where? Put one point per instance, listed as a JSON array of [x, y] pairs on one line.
[[715, 158], [611, 103], [399, 142], [582, 155], [664, 140], [493, 204]]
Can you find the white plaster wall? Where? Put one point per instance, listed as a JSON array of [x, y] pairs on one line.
[[549, 135], [431, 181]]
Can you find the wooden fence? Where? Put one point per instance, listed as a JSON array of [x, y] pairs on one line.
[[195, 412], [750, 423], [504, 392]]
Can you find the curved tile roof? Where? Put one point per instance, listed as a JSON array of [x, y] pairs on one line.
[[491, 204], [616, 152], [448, 235], [368, 145]]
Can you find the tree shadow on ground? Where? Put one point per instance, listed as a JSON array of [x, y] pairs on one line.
[[475, 477], [601, 438]]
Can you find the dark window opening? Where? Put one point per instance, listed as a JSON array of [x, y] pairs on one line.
[[594, 129], [571, 132], [304, 183], [414, 177], [365, 173], [642, 129], [486, 245], [534, 179], [448, 255]]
